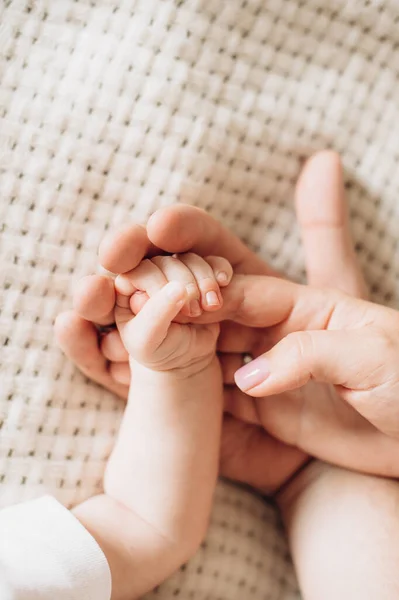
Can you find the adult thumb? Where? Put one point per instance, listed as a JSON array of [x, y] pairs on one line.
[[340, 358]]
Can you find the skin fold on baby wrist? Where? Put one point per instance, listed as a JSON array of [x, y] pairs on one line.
[[185, 373]]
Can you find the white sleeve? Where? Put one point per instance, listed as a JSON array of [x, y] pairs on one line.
[[47, 554]]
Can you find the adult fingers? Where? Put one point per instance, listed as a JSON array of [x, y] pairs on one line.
[[249, 455], [323, 217], [123, 249], [342, 358], [237, 338], [78, 339], [230, 363], [183, 228], [271, 302], [120, 371], [240, 405], [337, 357], [94, 299], [268, 301], [112, 347]]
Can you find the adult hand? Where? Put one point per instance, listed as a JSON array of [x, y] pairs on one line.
[[249, 453], [325, 336]]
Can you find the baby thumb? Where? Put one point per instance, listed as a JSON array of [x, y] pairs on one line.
[[144, 333]]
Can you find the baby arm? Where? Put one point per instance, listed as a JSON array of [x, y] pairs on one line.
[[161, 475]]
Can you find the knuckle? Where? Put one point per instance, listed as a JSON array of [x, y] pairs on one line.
[[162, 261], [387, 343], [209, 281], [300, 347], [195, 262], [297, 352], [192, 290]]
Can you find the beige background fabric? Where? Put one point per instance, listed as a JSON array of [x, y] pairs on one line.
[[112, 108]]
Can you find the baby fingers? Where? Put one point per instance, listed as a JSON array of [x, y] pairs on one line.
[[144, 334], [209, 274], [201, 277]]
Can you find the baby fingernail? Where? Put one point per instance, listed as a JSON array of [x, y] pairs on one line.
[[252, 374], [212, 299], [222, 277], [195, 308]]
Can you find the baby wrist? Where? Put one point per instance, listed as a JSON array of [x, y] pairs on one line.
[[187, 372]]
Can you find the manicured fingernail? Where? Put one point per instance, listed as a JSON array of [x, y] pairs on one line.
[[252, 374], [175, 291], [212, 299], [195, 308], [222, 277]]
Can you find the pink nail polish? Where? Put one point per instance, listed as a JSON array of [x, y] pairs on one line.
[[212, 299], [252, 374]]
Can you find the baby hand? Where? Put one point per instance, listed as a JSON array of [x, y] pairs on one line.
[[165, 463], [149, 300]]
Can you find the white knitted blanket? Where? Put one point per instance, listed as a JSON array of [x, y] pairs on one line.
[[112, 108]]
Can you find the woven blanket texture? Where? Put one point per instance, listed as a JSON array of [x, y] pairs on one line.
[[110, 109]]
